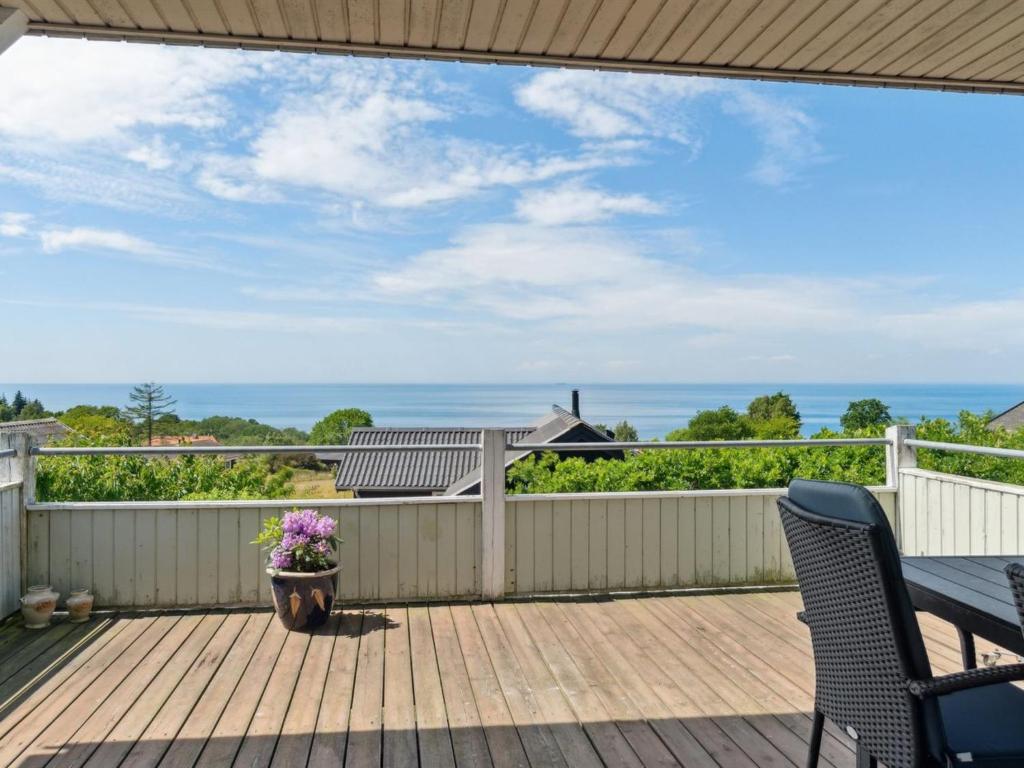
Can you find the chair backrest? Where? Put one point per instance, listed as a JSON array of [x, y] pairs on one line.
[[1015, 575], [867, 643]]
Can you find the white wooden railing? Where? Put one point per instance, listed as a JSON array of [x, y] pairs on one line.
[[162, 554]]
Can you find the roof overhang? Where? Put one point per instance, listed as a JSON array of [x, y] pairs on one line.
[[966, 45]]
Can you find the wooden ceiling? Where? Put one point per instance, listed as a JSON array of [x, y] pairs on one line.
[[966, 45]]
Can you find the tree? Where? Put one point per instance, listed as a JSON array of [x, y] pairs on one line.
[[768, 407], [335, 428], [721, 424], [33, 409], [6, 411], [862, 414], [151, 402], [18, 403], [625, 432]]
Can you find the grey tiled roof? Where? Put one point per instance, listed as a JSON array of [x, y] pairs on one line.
[[48, 427], [1010, 419], [411, 470]]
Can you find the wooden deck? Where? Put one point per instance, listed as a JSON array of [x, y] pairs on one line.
[[698, 681]]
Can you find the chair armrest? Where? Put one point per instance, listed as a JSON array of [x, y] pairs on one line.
[[961, 681]]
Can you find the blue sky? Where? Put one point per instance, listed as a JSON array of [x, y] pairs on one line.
[[180, 214]]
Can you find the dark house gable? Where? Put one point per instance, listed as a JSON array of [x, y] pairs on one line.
[[453, 472]]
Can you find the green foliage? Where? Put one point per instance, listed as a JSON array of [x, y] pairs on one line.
[[770, 407], [625, 432], [141, 478], [335, 428], [230, 430], [21, 408], [971, 428], [863, 414], [721, 424]]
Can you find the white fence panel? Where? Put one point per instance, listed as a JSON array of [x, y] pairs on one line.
[[942, 514], [162, 554], [648, 541]]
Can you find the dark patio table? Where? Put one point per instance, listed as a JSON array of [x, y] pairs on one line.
[[971, 593]]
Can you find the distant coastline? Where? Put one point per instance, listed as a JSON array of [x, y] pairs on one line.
[[654, 409]]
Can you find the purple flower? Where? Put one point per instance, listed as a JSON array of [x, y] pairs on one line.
[[306, 541], [281, 558]]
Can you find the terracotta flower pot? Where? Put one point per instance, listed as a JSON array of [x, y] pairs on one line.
[[79, 605], [38, 605], [303, 600]]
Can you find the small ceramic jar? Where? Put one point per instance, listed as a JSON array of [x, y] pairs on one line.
[[79, 605], [37, 606]]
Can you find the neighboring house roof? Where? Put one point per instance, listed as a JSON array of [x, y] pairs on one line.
[[560, 426], [1010, 419], [452, 472], [39, 428], [427, 471]]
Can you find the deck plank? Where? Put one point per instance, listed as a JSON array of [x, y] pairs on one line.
[[230, 649], [721, 681], [399, 721], [432, 735], [331, 738], [227, 712], [364, 731]]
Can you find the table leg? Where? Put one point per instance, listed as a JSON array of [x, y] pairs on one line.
[[967, 650]]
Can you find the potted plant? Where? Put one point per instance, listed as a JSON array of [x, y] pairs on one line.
[[301, 570]]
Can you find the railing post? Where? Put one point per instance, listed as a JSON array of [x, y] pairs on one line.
[[492, 488], [26, 463], [898, 455]]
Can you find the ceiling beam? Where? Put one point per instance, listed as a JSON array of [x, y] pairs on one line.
[[13, 23], [252, 42]]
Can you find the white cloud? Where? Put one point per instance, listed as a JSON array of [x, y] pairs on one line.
[[575, 203], [73, 91], [14, 224], [372, 133], [155, 155], [594, 277], [641, 107], [601, 105], [105, 240], [214, 319]]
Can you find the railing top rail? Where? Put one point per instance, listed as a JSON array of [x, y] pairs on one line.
[[694, 444], [983, 450], [186, 450], [177, 450]]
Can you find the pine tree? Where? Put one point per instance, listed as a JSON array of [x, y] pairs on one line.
[[18, 403], [151, 402]]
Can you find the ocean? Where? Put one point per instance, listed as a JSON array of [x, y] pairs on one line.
[[654, 409]]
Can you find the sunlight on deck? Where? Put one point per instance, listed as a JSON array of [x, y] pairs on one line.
[[717, 680]]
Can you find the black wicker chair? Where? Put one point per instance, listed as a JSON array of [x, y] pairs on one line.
[[1015, 574], [873, 675]]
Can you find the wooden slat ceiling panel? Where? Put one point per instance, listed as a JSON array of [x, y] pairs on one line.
[[333, 18], [996, 46], [482, 24], [239, 18], [977, 24], [362, 21], [575, 22], [700, 17], [176, 15], [453, 24], [947, 44], [207, 16], [547, 17]]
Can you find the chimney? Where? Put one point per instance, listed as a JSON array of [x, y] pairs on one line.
[[576, 403]]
